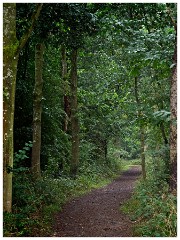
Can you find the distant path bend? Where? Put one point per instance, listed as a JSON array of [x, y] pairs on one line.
[[97, 213]]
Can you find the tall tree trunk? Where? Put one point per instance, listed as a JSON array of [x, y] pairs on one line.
[[163, 133], [66, 98], [143, 160], [10, 60], [173, 108], [160, 105], [142, 130], [173, 128], [105, 145], [11, 50], [74, 115], [37, 110]]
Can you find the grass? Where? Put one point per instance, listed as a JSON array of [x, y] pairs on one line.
[[38, 202]]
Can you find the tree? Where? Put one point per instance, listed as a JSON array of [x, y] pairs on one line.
[[173, 126], [74, 114], [142, 129], [10, 60], [38, 97], [12, 47], [173, 132], [66, 97]]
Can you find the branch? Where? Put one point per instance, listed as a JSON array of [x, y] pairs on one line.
[[171, 17], [27, 34], [136, 91]]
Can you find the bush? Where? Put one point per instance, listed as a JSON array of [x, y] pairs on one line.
[[152, 207], [36, 201]]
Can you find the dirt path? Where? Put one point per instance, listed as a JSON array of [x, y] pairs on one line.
[[97, 214]]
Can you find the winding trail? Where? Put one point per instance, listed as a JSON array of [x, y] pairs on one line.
[[97, 214]]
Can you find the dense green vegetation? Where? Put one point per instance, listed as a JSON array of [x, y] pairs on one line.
[[152, 208], [94, 89]]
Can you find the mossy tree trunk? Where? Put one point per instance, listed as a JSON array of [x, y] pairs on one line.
[[37, 111], [11, 50], [74, 115], [142, 130], [10, 60]]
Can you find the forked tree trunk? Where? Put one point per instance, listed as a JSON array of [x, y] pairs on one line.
[[142, 131], [74, 115], [10, 60], [11, 50], [37, 110]]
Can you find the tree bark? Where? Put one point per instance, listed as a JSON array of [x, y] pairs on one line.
[[10, 60], [11, 50], [74, 115], [37, 110], [142, 131], [66, 98], [173, 108], [173, 131], [163, 133]]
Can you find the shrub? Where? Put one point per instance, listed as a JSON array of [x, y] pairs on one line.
[[152, 207]]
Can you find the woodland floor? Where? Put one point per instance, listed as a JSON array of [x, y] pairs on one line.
[[97, 214]]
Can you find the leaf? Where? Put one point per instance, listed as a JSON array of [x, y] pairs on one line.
[[173, 65], [162, 115], [134, 72]]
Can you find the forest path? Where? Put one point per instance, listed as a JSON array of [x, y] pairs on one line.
[[97, 214]]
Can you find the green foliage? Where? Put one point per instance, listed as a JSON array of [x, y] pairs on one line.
[[16, 225], [35, 202], [162, 116], [117, 42], [20, 156], [152, 207]]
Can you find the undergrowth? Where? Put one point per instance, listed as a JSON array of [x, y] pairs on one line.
[[36, 202], [152, 207]]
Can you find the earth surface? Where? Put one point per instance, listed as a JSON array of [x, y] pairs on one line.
[[98, 214]]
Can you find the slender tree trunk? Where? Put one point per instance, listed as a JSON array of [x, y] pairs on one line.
[[106, 150], [142, 131], [11, 50], [37, 110], [143, 160], [173, 129], [74, 115], [162, 128], [10, 60], [67, 108], [163, 133]]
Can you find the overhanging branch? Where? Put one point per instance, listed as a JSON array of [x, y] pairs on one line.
[[27, 34]]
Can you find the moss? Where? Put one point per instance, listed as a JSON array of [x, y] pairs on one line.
[[10, 50]]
